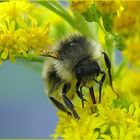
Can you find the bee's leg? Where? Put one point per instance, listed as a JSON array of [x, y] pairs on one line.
[[101, 84], [79, 93], [92, 95], [67, 102], [59, 105], [108, 64]]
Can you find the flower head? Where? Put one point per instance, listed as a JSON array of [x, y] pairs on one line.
[[126, 23], [100, 122], [20, 34], [132, 51], [133, 92], [107, 6], [81, 6]]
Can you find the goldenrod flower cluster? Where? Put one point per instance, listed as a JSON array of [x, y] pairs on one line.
[[114, 119], [20, 34], [126, 24], [81, 6], [107, 6], [125, 86]]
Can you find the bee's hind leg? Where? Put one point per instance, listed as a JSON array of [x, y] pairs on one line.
[[67, 102], [59, 105]]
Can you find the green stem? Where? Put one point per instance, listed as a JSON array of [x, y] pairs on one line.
[[62, 13], [108, 48], [109, 45]]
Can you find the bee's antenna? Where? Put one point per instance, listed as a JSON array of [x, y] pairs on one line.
[[49, 54]]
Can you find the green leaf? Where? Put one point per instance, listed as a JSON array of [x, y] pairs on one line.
[[108, 21], [118, 42], [92, 14]]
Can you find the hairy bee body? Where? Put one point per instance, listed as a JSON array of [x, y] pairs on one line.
[[78, 65]]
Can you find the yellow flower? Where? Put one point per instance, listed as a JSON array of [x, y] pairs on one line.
[[128, 84], [20, 34], [81, 5], [132, 6], [106, 122], [37, 38], [132, 51], [114, 118], [126, 23], [12, 10], [107, 6]]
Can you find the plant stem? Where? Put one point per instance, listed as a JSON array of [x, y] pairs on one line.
[[62, 13], [109, 45]]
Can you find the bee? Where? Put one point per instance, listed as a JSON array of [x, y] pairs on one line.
[[72, 65]]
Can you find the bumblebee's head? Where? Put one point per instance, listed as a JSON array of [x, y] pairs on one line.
[[86, 69]]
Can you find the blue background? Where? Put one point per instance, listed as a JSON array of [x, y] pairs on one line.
[[25, 110]]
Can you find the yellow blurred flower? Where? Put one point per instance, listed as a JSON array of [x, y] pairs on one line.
[[14, 10], [132, 6], [81, 5], [107, 6], [128, 84], [132, 51], [126, 23]]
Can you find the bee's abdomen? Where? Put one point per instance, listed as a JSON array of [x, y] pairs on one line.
[[51, 79]]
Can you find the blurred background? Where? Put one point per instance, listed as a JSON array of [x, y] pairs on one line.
[[25, 111]]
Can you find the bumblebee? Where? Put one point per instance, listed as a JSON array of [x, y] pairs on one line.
[[74, 64]]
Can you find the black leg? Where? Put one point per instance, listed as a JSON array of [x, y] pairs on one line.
[[108, 64], [79, 93], [100, 84], [92, 95], [82, 95], [67, 102], [59, 105]]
